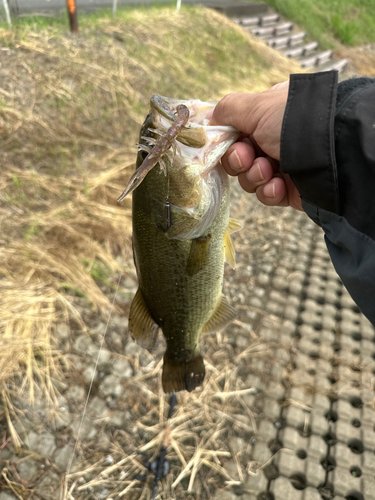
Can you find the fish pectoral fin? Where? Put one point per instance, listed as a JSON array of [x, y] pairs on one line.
[[198, 255], [222, 316], [178, 376], [230, 254], [234, 225], [141, 325]]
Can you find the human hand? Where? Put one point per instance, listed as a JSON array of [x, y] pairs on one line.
[[255, 159]]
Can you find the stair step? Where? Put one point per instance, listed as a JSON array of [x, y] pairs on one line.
[[315, 59], [279, 36], [237, 8], [270, 19], [331, 65], [268, 31], [259, 20], [302, 50], [248, 21], [286, 41]]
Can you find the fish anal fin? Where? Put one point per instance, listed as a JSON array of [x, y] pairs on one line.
[[179, 376], [234, 225], [230, 254], [222, 316], [198, 255], [141, 325]]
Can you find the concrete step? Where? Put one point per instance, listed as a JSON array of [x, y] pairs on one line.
[[270, 19], [259, 20], [282, 42], [236, 9], [273, 30], [330, 65], [315, 59], [279, 35], [302, 50]]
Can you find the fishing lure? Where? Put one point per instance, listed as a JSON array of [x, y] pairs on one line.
[[160, 148]]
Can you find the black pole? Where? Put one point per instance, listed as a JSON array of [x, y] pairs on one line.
[[160, 467]]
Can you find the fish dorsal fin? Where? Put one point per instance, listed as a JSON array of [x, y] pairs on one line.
[[198, 255], [222, 316], [234, 225], [141, 325], [230, 254]]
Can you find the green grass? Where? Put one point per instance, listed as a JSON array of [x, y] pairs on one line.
[[332, 22]]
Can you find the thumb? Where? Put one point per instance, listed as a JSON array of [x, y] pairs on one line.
[[238, 110]]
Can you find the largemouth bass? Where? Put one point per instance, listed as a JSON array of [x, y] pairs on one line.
[[181, 234]]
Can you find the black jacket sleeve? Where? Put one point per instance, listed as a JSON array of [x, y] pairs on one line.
[[328, 149]]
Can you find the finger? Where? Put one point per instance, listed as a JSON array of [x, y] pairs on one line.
[[261, 172], [273, 193], [239, 157]]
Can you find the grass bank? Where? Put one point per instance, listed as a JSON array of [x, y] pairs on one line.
[[333, 22], [70, 111]]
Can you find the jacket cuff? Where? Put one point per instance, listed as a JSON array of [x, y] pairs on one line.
[[307, 150]]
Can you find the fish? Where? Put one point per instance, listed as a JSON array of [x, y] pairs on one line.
[[181, 234]]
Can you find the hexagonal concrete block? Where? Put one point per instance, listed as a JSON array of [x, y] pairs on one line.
[[283, 489], [349, 482], [289, 463], [312, 447]]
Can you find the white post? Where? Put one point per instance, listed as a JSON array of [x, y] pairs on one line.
[[178, 5], [114, 8], [6, 8]]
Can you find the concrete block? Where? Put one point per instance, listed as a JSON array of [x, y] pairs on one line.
[[297, 394], [296, 286], [271, 408], [255, 483], [269, 335], [274, 307], [301, 419], [313, 447], [353, 454], [346, 430], [266, 430], [348, 481], [290, 464], [274, 390], [331, 296], [260, 452]]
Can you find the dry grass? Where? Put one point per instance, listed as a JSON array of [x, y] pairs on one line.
[[70, 109], [200, 434], [361, 59], [70, 112]]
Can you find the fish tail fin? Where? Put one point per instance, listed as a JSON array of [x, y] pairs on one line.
[[185, 375]]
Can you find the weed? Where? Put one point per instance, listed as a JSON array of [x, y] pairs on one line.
[[351, 22]]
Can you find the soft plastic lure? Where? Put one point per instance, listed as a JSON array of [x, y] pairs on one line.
[[160, 148]]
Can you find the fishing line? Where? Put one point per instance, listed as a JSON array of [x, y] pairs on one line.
[[92, 378], [167, 205]]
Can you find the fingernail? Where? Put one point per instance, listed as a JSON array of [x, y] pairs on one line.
[[269, 190], [234, 161], [256, 164]]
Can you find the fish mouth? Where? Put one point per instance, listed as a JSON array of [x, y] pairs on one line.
[[197, 133], [198, 109]]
